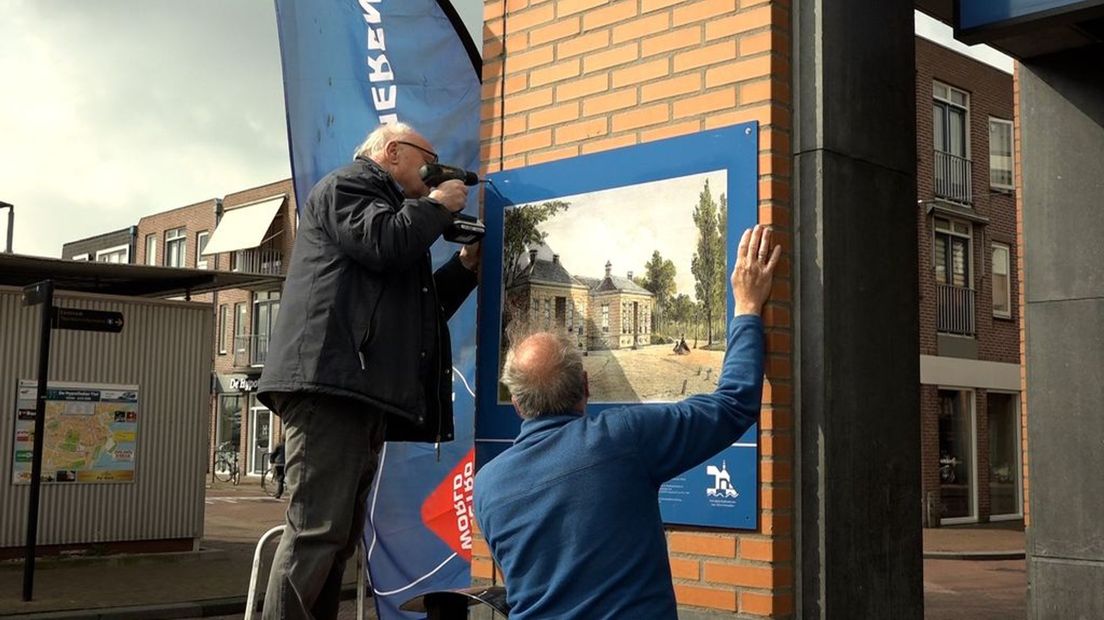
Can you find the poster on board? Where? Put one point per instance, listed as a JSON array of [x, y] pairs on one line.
[[627, 251], [91, 432]]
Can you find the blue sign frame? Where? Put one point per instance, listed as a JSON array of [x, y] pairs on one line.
[[696, 497], [974, 19]]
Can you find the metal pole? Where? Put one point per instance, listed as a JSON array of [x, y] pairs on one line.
[[46, 290], [11, 222]]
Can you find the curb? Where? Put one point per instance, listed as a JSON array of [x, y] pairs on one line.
[[190, 609], [977, 556], [127, 559]]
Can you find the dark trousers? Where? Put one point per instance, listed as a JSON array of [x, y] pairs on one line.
[[333, 447]]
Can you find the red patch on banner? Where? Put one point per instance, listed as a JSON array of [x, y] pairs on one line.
[[447, 512]]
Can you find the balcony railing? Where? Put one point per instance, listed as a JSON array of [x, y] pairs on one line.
[[267, 259], [952, 178], [250, 350], [956, 310]]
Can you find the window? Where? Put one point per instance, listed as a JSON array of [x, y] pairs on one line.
[[605, 318], [952, 253], [266, 305], [950, 120], [1002, 282], [201, 244], [151, 249], [950, 109], [241, 314], [1000, 154], [81, 256], [957, 489], [120, 254], [228, 429], [224, 311], [1004, 455], [175, 244]]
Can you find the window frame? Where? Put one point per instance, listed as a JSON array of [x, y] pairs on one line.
[[223, 316], [125, 249], [202, 237], [951, 232], [1007, 249], [948, 101], [151, 249], [1011, 154], [176, 235]]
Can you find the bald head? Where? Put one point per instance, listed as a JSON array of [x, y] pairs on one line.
[[401, 151], [544, 373]]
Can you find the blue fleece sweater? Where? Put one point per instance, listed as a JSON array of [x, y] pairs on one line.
[[571, 510]]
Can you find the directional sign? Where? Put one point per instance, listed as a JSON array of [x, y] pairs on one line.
[[86, 320]]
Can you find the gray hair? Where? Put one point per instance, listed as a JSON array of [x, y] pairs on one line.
[[553, 386], [378, 138]]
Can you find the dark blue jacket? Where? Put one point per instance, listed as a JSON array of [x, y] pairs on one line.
[[571, 510]]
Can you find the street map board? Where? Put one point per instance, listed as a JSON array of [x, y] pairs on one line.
[[91, 432]]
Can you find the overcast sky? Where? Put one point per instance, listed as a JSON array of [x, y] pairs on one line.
[[116, 109]]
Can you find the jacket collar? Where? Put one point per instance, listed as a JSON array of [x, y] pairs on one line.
[[543, 424], [381, 173]]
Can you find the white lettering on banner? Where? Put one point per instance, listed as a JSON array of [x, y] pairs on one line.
[[384, 96], [376, 39], [462, 500]]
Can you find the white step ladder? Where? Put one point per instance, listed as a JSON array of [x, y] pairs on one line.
[[251, 599]]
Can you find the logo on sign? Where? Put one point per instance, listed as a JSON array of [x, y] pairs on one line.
[[722, 482], [447, 512]]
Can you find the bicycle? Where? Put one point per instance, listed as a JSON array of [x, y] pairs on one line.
[[226, 464], [268, 478]]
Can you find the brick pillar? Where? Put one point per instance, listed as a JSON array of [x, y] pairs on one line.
[[569, 77]]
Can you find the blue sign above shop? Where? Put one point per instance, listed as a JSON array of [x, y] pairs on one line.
[[977, 14]]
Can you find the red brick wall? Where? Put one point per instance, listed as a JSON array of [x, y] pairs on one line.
[[569, 77], [990, 96]]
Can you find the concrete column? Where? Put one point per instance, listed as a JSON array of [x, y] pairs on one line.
[[858, 415], [1062, 140]]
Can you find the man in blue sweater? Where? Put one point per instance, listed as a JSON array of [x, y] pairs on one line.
[[571, 510]]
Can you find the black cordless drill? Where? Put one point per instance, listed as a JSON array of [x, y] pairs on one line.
[[465, 228]]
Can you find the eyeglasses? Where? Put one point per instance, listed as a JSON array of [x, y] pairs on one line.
[[432, 156]]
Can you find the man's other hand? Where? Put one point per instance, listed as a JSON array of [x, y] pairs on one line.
[[453, 194], [471, 255], [754, 272]]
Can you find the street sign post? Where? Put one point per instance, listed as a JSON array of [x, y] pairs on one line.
[[42, 294]]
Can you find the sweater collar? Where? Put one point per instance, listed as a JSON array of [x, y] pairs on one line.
[[543, 424]]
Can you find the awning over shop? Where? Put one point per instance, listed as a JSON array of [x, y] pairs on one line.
[[244, 227]]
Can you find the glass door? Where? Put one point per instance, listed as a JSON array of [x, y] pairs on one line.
[[1004, 456], [957, 472], [260, 432]]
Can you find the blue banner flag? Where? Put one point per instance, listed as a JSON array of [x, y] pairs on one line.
[[348, 66]]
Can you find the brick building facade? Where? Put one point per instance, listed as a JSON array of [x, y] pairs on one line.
[[969, 315], [257, 226]]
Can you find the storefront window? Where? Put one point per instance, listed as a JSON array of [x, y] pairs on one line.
[[229, 424], [1004, 451], [956, 455], [260, 424]]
